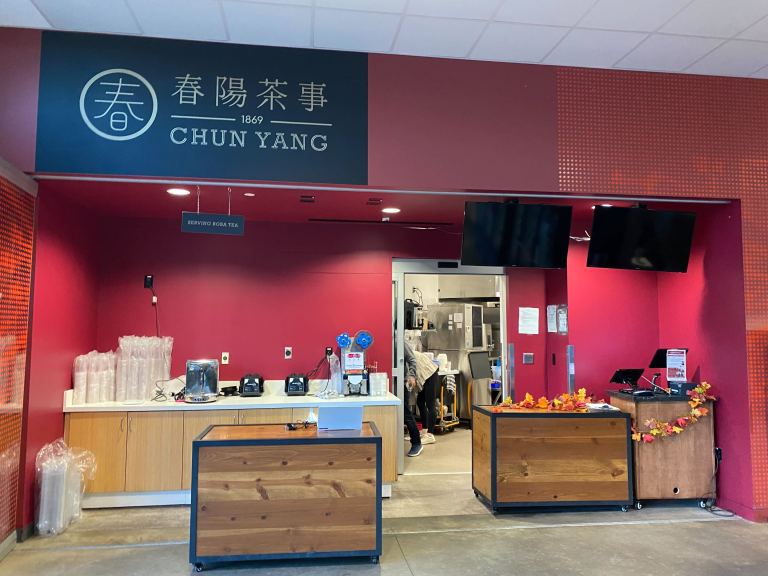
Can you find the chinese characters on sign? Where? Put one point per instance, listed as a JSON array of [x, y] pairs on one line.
[[177, 108], [118, 104]]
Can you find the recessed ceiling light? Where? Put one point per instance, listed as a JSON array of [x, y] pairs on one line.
[[249, 194], [178, 191], [390, 210]]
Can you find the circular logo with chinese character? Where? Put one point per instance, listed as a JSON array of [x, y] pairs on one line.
[[118, 104]]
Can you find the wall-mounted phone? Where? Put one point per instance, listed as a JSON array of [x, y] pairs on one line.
[[251, 385]]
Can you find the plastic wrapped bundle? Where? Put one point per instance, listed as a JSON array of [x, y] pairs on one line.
[[80, 379], [93, 392], [144, 364], [61, 472]]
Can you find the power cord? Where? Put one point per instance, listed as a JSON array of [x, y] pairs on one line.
[[710, 498]]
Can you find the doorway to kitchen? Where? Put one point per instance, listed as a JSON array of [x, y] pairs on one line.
[[457, 316]]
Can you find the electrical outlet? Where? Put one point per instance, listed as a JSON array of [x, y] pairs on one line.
[[149, 281], [288, 353], [225, 357]]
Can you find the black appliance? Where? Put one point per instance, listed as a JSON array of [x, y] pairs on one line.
[[628, 377], [228, 391], [411, 307], [680, 388], [296, 385], [251, 385], [641, 239], [513, 234]]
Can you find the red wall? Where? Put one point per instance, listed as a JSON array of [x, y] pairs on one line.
[[556, 344], [281, 285], [526, 288], [20, 71], [613, 319], [457, 124], [704, 310], [63, 324]]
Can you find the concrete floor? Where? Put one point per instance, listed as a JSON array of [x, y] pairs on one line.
[[433, 525]]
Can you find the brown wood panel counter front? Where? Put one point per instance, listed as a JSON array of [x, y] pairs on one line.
[[265, 492], [527, 458]]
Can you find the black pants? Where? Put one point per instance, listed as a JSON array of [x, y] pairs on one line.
[[426, 400], [410, 421]]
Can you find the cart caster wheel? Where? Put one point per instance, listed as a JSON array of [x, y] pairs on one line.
[[625, 508], [703, 504], [638, 505], [374, 559], [198, 567]]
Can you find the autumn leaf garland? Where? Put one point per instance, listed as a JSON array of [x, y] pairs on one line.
[[562, 403], [659, 429]]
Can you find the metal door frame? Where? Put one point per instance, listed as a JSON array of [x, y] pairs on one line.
[[401, 267]]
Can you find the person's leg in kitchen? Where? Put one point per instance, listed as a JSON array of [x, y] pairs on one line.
[[426, 402], [410, 423]]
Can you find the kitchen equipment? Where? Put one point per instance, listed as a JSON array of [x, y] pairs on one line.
[[296, 385], [202, 383], [229, 391], [459, 330], [251, 385], [355, 376]]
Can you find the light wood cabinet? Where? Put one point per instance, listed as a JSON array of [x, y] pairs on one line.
[[104, 434], [385, 418], [154, 451], [194, 424], [266, 416]]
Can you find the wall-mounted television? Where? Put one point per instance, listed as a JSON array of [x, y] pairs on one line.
[[513, 234], [641, 239]]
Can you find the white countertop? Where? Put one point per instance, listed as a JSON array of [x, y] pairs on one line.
[[274, 398]]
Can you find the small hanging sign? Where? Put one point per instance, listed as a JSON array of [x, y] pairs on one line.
[[202, 223]]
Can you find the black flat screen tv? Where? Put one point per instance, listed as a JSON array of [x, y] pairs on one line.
[[525, 235], [641, 239]]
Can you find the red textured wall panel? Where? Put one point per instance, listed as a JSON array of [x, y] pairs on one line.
[[438, 123], [20, 71], [685, 136], [17, 213]]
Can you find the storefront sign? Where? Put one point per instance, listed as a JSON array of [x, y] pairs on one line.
[[152, 107], [202, 223], [676, 365]]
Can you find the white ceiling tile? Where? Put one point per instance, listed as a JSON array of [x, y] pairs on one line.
[[395, 6], [734, 58], [719, 18], [757, 32], [355, 31], [106, 16], [449, 38], [593, 48], [762, 73], [289, 2], [478, 9], [21, 14], [192, 19], [641, 16], [517, 42], [663, 53], [551, 12], [268, 24]]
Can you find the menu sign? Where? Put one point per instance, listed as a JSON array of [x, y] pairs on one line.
[[676, 365], [146, 106]]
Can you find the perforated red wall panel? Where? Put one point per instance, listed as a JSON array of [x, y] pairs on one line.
[[16, 237], [694, 136]]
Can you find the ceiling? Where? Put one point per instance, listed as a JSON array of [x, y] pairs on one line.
[[715, 37], [423, 210]]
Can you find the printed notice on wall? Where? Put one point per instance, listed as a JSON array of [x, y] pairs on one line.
[[676, 365], [552, 318], [528, 321]]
